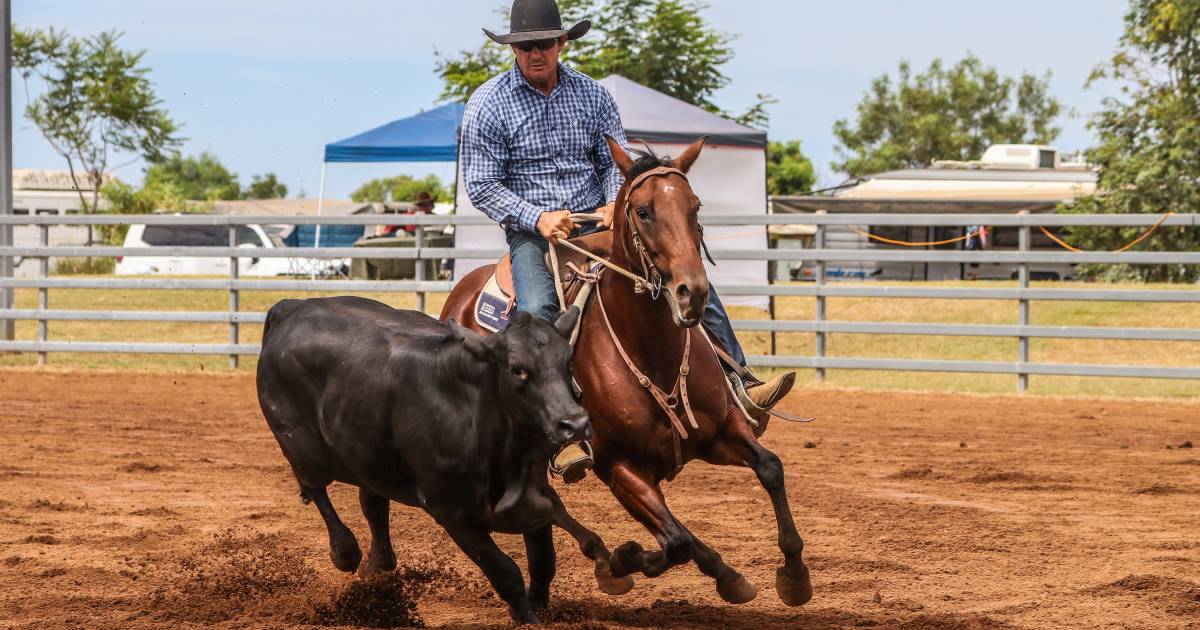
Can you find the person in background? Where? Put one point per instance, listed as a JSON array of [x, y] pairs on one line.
[[423, 204]]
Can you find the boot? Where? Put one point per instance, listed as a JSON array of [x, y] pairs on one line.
[[572, 462], [767, 395]]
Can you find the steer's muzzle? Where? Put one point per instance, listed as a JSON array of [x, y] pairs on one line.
[[571, 429]]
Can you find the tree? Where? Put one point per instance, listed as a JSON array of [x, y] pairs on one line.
[[96, 102], [1149, 138], [157, 196], [944, 114], [788, 171], [399, 188], [265, 187], [632, 38], [199, 178]]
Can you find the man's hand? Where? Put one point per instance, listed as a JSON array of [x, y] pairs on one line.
[[555, 225], [607, 211]]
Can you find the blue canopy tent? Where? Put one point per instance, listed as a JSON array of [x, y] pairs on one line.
[[430, 136]]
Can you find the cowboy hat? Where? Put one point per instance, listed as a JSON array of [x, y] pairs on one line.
[[423, 198], [537, 19]]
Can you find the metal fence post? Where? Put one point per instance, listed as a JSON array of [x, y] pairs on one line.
[[7, 328], [234, 300], [43, 333], [419, 266], [819, 241], [1023, 306]]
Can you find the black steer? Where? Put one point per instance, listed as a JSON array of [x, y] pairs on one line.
[[429, 414]]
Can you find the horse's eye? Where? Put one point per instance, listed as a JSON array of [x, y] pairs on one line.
[[643, 213], [520, 374]]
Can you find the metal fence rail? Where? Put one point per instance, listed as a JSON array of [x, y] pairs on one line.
[[820, 290]]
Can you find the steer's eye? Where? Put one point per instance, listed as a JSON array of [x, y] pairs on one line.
[[643, 213], [575, 389], [520, 374]]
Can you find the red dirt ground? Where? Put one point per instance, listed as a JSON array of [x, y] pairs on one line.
[[140, 500]]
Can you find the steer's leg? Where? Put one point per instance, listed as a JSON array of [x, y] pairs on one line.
[[539, 550], [739, 447], [643, 499], [375, 508], [343, 547], [499, 569], [593, 548]]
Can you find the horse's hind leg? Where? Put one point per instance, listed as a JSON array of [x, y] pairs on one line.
[[739, 447], [593, 548], [643, 499], [343, 546], [376, 508]]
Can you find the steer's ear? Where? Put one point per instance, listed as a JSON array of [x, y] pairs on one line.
[[565, 324], [471, 341]]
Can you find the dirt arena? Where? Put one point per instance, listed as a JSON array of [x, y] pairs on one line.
[[137, 500]]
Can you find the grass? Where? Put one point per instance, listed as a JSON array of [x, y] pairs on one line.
[[1111, 314]]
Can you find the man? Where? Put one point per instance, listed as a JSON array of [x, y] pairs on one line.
[[422, 205], [534, 152]]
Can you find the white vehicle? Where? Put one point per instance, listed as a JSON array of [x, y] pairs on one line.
[[248, 236]]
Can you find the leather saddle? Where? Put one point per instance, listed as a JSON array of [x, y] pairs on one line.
[[498, 296]]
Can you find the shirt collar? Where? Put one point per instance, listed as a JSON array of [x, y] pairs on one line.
[[564, 77]]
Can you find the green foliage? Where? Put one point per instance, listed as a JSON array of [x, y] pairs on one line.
[[789, 172], [944, 114], [96, 101], [265, 187], [663, 44], [125, 199], [399, 188], [199, 178], [1149, 138], [85, 266]]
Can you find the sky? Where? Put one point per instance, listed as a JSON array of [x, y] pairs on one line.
[[265, 84]]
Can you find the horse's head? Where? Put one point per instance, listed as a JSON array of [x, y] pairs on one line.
[[656, 229]]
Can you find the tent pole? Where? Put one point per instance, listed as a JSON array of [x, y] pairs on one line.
[[320, 207]]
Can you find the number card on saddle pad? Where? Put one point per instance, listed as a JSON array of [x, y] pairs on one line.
[[496, 300]]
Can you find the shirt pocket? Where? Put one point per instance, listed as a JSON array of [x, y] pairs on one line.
[[530, 139], [582, 131]]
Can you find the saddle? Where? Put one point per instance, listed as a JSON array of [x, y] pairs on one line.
[[498, 297]]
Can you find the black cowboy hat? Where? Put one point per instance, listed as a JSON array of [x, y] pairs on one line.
[[538, 19]]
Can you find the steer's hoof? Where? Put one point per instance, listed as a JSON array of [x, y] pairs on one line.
[[345, 554], [610, 584], [793, 585], [737, 590]]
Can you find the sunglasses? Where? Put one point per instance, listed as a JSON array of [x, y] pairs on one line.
[[540, 44]]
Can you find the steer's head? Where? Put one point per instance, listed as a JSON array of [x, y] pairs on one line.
[[533, 361]]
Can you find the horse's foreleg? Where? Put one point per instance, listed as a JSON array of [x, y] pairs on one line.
[[643, 499], [592, 547], [739, 447]]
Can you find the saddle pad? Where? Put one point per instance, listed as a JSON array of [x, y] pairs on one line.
[[491, 307]]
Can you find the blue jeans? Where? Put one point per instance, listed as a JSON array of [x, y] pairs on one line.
[[534, 285]]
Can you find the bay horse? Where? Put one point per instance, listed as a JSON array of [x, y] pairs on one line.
[[631, 348]]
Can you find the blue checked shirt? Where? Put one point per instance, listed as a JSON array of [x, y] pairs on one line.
[[525, 153]]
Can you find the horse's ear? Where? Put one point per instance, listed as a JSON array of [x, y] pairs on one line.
[[688, 157], [619, 156]]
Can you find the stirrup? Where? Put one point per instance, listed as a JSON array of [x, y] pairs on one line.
[[575, 469]]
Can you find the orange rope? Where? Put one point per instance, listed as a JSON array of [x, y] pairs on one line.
[[1135, 241], [908, 244]]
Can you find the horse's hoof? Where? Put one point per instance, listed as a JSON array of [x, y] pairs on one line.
[[793, 586], [737, 591], [610, 584]]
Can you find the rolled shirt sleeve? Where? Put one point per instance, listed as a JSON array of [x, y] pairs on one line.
[[484, 154]]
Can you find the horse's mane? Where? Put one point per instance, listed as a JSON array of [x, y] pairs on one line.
[[647, 160]]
